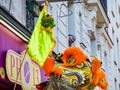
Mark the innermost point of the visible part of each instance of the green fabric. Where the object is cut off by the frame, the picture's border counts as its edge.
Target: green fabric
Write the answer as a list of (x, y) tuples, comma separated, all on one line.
[(42, 42)]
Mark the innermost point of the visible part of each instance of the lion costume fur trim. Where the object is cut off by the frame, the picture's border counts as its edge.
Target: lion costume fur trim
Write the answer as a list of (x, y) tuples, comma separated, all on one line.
[(50, 68), (74, 53), (99, 76)]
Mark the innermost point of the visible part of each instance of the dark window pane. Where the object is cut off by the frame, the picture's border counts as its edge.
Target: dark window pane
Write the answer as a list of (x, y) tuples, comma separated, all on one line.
[(104, 4), (29, 20)]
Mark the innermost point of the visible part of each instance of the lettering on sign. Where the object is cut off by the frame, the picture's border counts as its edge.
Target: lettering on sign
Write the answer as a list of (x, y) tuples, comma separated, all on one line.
[(30, 73)]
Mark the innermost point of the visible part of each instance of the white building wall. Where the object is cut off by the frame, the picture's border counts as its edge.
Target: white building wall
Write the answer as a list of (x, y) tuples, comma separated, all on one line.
[(82, 23), (61, 30), (114, 27)]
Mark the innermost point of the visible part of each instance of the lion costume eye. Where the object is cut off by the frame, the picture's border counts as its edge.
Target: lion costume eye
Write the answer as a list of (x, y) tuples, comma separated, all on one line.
[(103, 80)]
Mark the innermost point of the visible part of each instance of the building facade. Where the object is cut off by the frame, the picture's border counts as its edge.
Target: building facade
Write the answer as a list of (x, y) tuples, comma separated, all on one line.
[(95, 23)]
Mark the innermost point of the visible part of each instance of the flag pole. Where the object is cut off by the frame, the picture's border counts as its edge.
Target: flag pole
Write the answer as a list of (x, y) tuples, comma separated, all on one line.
[(23, 58)]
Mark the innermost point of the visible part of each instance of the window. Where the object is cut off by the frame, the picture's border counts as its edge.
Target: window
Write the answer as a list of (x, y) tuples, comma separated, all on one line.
[(104, 4), (99, 51), (93, 39), (115, 81), (93, 47), (29, 20), (81, 32), (119, 16), (119, 86), (32, 11), (118, 53), (80, 27), (105, 61)]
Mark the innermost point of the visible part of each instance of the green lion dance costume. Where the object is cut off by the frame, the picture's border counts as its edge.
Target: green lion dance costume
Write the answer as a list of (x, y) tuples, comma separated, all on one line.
[(72, 70)]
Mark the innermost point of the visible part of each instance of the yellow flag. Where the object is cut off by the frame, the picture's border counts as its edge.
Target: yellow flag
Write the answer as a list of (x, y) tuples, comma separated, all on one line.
[(42, 41)]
